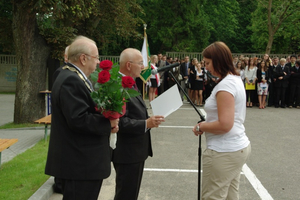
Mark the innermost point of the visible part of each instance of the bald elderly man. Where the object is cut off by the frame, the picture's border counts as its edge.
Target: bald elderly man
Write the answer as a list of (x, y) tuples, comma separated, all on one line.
[(134, 142)]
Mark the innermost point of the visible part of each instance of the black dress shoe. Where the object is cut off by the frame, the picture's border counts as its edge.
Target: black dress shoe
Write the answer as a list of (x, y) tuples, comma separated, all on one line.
[(57, 189), (276, 106), (282, 106)]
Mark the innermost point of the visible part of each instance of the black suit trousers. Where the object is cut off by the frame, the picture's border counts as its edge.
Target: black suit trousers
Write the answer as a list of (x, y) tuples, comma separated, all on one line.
[(280, 96), (81, 190), (128, 180), (271, 98), (294, 95)]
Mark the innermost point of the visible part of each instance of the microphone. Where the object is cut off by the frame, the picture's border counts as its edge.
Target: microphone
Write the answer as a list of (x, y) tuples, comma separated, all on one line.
[(155, 71)]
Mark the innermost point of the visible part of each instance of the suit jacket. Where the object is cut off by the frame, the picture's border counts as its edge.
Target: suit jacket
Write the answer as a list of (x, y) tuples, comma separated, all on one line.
[(278, 72), (295, 76), (133, 141), (175, 72), (79, 140), (259, 75), (271, 72), (184, 69), (193, 73), (289, 65)]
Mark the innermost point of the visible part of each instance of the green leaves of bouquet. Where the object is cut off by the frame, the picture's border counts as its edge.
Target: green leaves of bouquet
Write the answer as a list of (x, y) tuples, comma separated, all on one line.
[(112, 89)]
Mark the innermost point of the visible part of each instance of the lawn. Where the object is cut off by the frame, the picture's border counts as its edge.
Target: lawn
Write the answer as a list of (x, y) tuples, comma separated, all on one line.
[(24, 174), (25, 125)]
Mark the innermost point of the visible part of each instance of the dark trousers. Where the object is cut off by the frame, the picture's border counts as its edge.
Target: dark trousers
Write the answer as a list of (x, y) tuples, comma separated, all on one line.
[(280, 96), (250, 94), (271, 98), (57, 186), (128, 180), (294, 95), (81, 190)]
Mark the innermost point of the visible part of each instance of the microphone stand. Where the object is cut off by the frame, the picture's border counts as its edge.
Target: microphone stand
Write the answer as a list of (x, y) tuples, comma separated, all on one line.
[(202, 118)]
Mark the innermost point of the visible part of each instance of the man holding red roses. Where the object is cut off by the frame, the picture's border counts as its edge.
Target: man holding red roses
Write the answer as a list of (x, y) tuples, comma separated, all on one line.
[(134, 143), (79, 152)]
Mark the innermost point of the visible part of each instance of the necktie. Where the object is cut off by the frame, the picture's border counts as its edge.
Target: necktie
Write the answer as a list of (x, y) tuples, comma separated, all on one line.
[(186, 69), (135, 87)]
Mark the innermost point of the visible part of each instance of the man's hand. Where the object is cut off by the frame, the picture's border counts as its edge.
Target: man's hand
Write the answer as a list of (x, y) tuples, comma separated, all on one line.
[(115, 129), (155, 121), (114, 123)]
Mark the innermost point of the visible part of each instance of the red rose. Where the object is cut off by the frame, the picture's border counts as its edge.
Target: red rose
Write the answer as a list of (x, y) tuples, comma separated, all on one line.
[(106, 64), (103, 76), (127, 82)]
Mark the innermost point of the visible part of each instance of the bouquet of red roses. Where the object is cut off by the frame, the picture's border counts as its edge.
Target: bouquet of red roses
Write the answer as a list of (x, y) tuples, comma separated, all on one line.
[(112, 90)]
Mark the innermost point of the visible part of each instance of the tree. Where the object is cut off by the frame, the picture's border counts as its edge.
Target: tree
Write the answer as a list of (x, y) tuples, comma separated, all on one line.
[(31, 53), (242, 42), (41, 27), (269, 19), (223, 20), (6, 38), (177, 25)]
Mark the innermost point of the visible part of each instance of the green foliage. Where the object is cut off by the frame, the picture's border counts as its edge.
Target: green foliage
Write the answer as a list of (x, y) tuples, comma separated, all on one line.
[(6, 39), (223, 20), (259, 27), (111, 95), (175, 25), (23, 175), (242, 42), (284, 21)]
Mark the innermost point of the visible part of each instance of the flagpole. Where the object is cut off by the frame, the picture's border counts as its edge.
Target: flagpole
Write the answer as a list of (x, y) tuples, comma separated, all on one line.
[(145, 35), (146, 72)]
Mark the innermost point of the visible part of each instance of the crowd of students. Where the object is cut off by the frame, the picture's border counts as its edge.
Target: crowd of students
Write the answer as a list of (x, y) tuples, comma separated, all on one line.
[(268, 81)]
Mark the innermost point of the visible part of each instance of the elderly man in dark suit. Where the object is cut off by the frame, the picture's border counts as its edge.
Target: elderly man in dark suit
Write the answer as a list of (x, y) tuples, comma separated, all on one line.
[(281, 80), (79, 153), (133, 139)]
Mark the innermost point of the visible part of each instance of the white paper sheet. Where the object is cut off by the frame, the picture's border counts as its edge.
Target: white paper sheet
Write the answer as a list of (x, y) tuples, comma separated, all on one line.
[(167, 102)]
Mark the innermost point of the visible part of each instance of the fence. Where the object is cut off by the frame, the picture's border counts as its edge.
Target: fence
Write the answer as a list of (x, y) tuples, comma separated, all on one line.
[(198, 55), (8, 65), (8, 60), (8, 73)]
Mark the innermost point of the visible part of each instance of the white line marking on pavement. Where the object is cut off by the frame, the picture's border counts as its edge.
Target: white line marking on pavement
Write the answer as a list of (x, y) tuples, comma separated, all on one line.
[(176, 127), (170, 170), (256, 184), (173, 170)]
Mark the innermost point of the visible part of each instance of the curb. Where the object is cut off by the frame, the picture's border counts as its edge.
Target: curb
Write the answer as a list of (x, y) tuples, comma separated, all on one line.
[(45, 191)]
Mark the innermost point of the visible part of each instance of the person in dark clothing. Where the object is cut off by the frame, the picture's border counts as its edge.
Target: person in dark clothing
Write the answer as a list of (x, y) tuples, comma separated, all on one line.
[(295, 86), (281, 78)]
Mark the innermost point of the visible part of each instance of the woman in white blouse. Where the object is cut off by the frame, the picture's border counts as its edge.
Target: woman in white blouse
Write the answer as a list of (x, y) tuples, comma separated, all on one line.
[(228, 147)]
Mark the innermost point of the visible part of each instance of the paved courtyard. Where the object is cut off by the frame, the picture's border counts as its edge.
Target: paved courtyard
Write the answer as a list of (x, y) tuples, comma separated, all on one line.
[(271, 173)]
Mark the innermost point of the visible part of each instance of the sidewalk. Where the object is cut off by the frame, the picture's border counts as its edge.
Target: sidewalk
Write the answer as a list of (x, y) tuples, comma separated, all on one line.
[(27, 138)]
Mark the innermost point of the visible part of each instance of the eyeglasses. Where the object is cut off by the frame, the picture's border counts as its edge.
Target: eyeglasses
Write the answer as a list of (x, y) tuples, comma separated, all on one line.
[(97, 57), (139, 63)]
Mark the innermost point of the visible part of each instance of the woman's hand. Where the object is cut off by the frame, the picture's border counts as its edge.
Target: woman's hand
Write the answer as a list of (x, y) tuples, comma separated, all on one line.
[(197, 131)]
